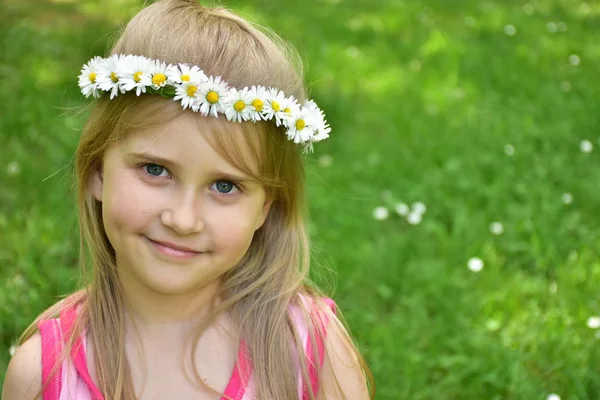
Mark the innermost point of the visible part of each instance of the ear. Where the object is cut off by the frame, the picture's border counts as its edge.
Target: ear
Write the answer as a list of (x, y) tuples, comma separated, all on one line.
[(265, 211), (96, 183)]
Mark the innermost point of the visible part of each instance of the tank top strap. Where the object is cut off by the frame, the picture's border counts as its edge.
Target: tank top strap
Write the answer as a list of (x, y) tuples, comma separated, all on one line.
[(52, 347)]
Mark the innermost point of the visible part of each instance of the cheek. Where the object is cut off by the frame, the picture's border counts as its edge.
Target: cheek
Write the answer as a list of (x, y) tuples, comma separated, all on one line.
[(234, 228)]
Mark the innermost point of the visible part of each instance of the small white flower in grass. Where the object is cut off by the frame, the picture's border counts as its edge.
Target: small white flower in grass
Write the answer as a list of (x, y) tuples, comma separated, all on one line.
[(87, 79), (237, 105), (188, 93), (553, 287), (492, 325), (380, 213), (108, 76), (183, 73), (509, 150), (586, 146), (567, 198), (510, 30), (325, 160), (13, 168), (552, 27), (475, 264), (553, 396), (258, 96), (12, 350), (593, 322), (528, 9), (158, 74), (419, 208), (402, 209), (212, 95), (574, 59), (414, 218), (562, 26), (135, 73), (496, 228)]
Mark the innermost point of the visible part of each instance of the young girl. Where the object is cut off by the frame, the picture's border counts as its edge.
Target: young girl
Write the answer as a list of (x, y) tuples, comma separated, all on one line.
[(191, 203)]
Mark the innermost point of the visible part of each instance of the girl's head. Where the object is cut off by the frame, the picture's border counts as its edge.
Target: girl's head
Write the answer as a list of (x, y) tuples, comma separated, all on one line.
[(239, 224)]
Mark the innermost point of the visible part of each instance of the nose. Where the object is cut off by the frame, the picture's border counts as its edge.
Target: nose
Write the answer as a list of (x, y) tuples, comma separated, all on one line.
[(183, 215)]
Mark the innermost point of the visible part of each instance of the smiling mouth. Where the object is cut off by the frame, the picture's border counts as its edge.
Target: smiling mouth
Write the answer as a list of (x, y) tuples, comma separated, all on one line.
[(172, 252)]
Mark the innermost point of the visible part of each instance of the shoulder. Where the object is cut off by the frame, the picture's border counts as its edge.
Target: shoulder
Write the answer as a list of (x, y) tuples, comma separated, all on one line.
[(342, 374), (23, 379)]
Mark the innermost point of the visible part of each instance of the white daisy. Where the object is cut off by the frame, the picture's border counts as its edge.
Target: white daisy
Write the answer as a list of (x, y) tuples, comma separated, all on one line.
[(135, 73), (158, 74), (237, 104), (184, 73), (278, 106), (323, 127), (302, 124), (258, 98), (88, 81), (189, 94), (108, 78), (212, 94)]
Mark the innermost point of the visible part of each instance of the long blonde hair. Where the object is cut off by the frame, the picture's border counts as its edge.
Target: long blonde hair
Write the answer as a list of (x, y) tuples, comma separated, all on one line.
[(259, 290)]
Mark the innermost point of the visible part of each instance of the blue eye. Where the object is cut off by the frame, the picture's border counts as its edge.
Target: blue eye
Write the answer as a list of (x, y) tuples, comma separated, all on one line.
[(154, 169), (225, 187)]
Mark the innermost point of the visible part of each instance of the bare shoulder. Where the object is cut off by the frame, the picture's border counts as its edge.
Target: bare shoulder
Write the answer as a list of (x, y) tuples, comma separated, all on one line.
[(23, 380), (342, 373)]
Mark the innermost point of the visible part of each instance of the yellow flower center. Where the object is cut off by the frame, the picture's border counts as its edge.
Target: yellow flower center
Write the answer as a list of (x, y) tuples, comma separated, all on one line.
[(113, 77), (239, 106), (159, 79), (92, 77), (257, 104), (287, 110), (185, 78), (300, 124), (137, 76), (191, 90), (212, 97), (275, 106)]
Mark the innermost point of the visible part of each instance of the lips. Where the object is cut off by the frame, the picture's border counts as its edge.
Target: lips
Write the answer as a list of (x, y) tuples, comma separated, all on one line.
[(175, 246)]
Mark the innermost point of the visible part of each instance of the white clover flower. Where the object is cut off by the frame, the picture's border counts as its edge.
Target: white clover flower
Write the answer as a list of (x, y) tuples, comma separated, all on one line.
[(13, 168), (510, 30), (567, 198), (509, 150), (586, 146), (380, 213), (552, 287), (237, 105), (593, 322), (87, 79), (414, 218), (212, 95), (553, 396), (419, 208), (496, 228), (402, 209), (158, 74), (182, 73), (302, 124), (258, 98), (135, 73), (475, 264), (188, 93), (108, 76)]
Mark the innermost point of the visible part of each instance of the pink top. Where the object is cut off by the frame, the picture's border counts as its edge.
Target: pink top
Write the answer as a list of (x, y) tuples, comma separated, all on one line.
[(73, 381)]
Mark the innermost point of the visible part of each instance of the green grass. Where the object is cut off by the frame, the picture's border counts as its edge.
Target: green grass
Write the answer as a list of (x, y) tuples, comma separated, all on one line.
[(423, 97)]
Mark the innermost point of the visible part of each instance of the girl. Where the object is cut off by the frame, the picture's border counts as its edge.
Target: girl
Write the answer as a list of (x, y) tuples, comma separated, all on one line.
[(191, 203)]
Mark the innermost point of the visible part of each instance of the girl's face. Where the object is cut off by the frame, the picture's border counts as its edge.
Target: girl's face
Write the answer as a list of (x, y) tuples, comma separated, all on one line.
[(177, 214)]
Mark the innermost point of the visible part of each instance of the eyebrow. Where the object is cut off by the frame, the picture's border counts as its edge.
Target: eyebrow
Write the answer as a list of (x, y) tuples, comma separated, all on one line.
[(171, 164)]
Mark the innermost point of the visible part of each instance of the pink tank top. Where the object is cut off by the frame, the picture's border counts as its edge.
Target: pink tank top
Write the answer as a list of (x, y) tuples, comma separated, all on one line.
[(73, 381)]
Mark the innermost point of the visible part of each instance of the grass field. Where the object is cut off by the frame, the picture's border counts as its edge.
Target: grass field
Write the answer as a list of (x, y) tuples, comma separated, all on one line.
[(484, 111)]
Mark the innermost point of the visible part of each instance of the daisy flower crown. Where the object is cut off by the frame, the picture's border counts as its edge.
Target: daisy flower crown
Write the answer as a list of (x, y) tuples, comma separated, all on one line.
[(305, 123)]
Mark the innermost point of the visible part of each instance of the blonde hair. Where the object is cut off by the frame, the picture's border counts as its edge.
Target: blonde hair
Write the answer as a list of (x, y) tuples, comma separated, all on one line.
[(259, 290)]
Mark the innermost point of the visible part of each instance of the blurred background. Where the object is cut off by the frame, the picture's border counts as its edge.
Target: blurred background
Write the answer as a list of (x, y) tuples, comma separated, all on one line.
[(454, 209)]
